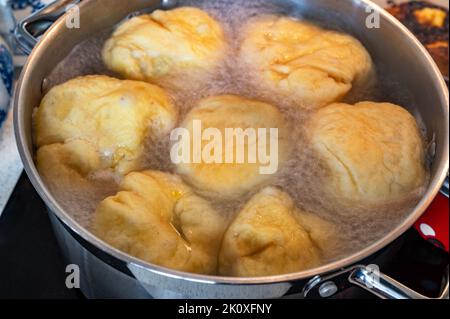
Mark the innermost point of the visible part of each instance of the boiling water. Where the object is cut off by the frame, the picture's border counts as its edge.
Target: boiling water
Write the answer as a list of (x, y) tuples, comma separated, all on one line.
[(302, 177)]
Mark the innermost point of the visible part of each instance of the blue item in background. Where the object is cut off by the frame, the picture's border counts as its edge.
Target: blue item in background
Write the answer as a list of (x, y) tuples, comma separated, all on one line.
[(6, 79), (6, 68), (22, 4), (7, 23)]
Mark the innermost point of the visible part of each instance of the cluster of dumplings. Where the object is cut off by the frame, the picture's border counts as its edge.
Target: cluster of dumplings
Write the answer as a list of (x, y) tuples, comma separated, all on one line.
[(373, 151)]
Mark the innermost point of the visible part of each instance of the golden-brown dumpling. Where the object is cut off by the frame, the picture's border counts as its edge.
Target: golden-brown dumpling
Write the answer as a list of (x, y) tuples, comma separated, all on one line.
[(222, 179), (157, 218), (68, 164), (374, 151), (270, 236), (149, 47), (112, 118), (306, 63)]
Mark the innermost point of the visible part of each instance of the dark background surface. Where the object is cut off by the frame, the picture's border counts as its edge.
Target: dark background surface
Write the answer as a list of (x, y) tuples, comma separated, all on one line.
[(31, 265)]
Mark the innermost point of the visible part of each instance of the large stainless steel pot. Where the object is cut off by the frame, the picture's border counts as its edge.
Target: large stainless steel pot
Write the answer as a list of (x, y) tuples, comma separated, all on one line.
[(107, 272)]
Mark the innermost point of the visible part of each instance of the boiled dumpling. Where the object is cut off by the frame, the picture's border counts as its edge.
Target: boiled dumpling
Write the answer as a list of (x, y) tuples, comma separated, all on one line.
[(270, 236), (222, 179), (307, 64), (110, 118), (374, 151), (68, 163), (165, 43), (157, 218)]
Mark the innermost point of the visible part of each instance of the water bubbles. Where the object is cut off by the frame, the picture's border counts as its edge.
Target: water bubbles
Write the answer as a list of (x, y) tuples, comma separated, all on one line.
[(302, 177)]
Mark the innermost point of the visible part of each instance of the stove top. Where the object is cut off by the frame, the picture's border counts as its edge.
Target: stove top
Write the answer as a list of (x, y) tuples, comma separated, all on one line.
[(32, 267)]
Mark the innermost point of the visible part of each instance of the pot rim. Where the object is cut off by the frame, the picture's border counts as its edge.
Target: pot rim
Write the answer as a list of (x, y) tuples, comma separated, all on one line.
[(69, 221)]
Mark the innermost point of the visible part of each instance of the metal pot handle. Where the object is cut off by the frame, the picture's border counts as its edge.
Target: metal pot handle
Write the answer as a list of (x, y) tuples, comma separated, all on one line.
[(29, 30), (370, 279), (385, 287)]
